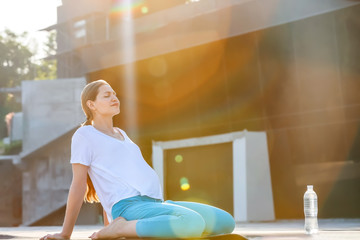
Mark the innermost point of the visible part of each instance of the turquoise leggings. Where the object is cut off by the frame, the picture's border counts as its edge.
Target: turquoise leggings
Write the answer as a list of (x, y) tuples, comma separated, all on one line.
[(170, 219)]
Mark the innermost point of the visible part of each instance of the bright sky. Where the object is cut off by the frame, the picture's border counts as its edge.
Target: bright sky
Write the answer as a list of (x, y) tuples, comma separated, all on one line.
[(28, 15)]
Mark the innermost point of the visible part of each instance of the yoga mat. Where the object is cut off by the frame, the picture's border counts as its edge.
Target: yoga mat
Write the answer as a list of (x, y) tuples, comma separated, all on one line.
[(231, 236)]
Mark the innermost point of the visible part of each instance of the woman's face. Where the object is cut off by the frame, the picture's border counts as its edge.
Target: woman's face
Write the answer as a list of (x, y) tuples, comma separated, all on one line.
[(106, 102)]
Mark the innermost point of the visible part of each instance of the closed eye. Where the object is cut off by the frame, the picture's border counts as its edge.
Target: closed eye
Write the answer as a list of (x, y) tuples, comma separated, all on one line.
[(108, 94)]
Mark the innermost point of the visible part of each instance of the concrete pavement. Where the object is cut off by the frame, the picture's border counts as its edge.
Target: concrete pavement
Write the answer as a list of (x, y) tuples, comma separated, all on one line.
[(339, 229)]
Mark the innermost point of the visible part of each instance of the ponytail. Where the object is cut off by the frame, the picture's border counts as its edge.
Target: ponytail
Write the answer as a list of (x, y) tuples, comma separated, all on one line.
[(90, 195), (90, 92), (87, 122)]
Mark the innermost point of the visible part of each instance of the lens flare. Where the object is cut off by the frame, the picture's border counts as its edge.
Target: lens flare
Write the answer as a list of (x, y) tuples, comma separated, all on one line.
[(184, 184), (144, 10), (120, 6), (179, 158)]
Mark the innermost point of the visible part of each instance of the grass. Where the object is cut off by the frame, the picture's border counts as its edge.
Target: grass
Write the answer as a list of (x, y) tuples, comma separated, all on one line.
[(12, 148), (2, 147)]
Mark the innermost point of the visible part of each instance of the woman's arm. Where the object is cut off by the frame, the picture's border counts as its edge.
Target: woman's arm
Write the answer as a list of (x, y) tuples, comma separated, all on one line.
[(106, 222), (75, 198), (74, 202)]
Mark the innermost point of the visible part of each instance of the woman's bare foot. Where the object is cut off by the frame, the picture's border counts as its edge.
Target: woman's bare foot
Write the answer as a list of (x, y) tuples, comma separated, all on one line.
[(94, 236), (118, 228)]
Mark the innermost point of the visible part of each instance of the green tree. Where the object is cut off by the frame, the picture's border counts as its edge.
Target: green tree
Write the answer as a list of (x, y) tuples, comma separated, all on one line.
[(46, 69), (16, 64), (15, 59)]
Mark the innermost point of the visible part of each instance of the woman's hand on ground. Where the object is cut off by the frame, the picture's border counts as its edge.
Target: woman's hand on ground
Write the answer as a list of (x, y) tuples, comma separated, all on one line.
[(54, 236)]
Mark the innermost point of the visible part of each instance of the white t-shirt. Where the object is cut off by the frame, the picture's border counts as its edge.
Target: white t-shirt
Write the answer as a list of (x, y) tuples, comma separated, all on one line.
[(116, 168)]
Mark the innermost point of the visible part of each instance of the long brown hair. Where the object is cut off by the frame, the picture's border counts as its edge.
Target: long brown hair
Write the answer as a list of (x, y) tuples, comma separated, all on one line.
[(90, 92)]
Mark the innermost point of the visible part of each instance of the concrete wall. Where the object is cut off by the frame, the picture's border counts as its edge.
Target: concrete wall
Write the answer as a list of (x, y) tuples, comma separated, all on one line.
[(50, 109), (16, 131), (176, 28), (10, 197), (46, 182), (70, 10)]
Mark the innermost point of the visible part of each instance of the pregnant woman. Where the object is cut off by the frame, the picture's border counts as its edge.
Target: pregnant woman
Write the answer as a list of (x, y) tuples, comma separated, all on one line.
[(109, 168)]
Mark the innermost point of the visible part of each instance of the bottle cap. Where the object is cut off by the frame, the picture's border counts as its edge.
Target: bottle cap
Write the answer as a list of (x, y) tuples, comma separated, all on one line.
[(310, 187)]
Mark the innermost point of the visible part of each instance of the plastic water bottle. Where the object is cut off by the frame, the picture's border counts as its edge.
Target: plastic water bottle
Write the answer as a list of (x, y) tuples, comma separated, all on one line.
[(311, 211)]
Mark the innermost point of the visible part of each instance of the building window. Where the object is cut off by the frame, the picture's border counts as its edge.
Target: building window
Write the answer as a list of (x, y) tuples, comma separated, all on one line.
[(80, 32)]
